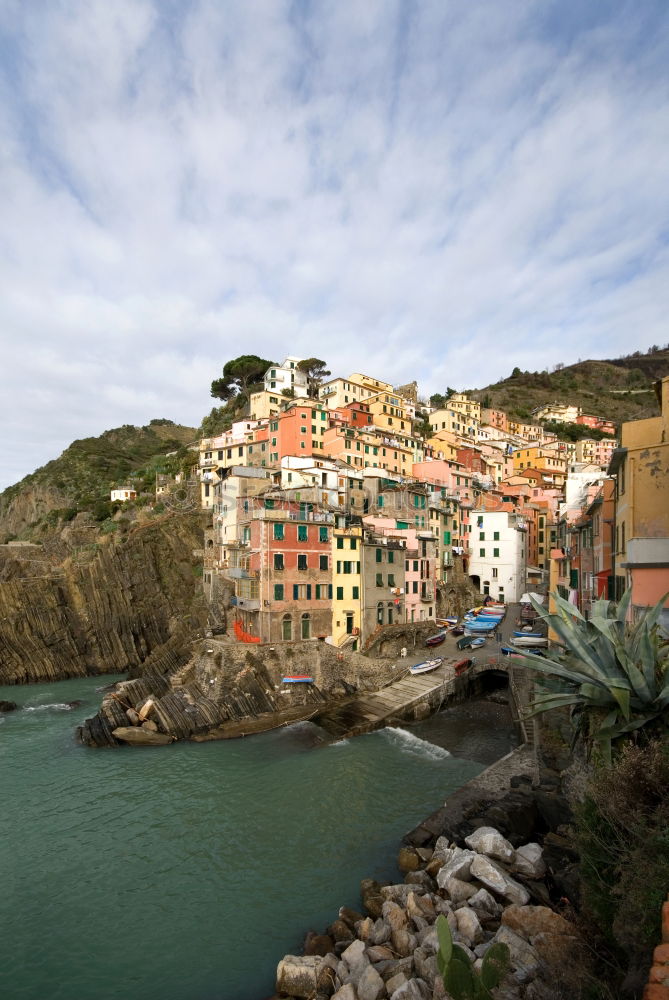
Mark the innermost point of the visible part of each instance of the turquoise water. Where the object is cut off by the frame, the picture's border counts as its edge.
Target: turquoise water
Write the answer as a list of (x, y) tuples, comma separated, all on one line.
[(187, 872)]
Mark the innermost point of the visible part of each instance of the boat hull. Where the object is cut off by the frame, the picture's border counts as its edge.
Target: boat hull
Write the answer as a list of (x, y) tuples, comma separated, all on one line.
[(426, 666)]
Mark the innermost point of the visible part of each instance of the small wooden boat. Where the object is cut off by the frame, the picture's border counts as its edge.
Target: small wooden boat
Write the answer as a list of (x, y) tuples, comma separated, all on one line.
[(528, 635), (458, 630), (525, 641), (426, 666), (466, 641), (297, 679), (461, 666), (447, 621), (435, 640), (142, 737), (477, 642)]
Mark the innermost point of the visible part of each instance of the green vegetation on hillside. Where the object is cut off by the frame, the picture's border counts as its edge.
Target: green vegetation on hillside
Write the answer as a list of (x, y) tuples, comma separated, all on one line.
[(618, 390), (83, 476)]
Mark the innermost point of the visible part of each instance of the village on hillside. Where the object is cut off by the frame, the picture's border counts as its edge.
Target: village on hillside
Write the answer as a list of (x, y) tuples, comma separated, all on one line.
[(341, 506)]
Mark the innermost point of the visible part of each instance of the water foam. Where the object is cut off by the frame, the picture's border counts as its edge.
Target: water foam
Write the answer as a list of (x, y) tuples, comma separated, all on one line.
[(409, 743), (57, 706)]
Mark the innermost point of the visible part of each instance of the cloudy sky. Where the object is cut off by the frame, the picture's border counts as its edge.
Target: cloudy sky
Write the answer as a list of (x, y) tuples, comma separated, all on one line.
[(436, 190)]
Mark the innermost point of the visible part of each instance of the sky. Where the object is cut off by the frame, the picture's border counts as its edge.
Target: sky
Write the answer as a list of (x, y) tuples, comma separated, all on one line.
[(438, 190)]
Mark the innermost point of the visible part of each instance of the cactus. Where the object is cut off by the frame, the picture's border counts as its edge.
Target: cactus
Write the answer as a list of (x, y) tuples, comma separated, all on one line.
[(459, 976)]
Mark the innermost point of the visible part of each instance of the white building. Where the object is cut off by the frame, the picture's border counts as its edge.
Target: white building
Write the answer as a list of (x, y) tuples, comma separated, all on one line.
[(498, 544), (125, 493), (287, 377)]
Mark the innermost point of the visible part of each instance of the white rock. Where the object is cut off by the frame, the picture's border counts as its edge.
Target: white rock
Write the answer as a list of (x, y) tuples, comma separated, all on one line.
[(413, 989), (458, 890), (296, 975), (442, 849), (355, 959), (492, 877), (400, 893), (524, 959), (429, 940), (394, 983), (381, 932), (529, 861), (469, 926), (370, 986), (345, 993), (458, 867), (484, 903), (426, 965), (487, 840), (394, 915)]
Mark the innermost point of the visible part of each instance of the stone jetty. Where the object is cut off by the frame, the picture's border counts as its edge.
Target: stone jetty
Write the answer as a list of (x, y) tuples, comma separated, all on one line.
[(492, 884)]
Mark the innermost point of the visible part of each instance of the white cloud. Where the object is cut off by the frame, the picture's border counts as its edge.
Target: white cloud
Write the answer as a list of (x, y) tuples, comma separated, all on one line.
[(436, 191)]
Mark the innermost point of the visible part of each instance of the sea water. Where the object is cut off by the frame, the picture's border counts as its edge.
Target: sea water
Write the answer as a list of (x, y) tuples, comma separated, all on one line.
[(186, 872)]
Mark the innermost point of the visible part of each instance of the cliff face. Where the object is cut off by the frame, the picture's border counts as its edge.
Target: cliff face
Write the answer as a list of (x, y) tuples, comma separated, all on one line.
[(127, 601)]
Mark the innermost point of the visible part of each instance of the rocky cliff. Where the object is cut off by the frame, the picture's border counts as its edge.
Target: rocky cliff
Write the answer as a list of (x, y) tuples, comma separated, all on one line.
[(126, 600)]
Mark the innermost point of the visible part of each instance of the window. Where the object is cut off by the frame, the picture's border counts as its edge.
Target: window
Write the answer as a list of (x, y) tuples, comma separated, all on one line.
[(495, 536), (494, 572), (495, 553), (391, 556), (415, 565), (286, 628), (379, 613), (306, 625), (356, 593), (302, 533), (415, 586), (391, 579), (302, 561), (340, 593), (379, 579), (322, 534), (379, 555), (278, 532), (296, 591), (481, 536), (482, 553), (278, 591), (340, 543), (278, 560), (354, 543), (323, 562)]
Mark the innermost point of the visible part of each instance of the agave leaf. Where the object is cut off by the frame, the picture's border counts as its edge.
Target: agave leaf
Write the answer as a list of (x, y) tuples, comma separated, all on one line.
[(652, 617), (459, 979), (613, 732), (582, 675), (623, 605)]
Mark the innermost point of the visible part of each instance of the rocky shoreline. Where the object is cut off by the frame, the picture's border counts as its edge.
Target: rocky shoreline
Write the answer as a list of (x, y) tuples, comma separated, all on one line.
[(497, 862)]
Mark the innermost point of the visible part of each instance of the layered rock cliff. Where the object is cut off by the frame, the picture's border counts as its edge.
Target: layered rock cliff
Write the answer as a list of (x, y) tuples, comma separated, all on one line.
[(124, 601)]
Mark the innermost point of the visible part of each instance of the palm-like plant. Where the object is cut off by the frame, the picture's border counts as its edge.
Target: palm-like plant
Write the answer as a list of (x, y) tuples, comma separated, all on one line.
[(613, 676)]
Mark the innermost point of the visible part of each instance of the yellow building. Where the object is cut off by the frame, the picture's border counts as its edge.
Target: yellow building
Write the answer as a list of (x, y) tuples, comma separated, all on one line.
[(453, 422), (641, 468), (346, 564), (551, 461), (469, 408), (263, 405), (369, 449), (357, 388), (562, 413)]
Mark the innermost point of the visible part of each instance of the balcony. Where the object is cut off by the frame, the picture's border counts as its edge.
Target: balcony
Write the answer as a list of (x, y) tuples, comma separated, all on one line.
[(427, 595), (241, 573), (292, 515), (245, 603)]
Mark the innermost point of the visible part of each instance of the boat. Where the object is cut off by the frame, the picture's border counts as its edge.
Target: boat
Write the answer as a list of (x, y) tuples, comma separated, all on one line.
[(297, 679), (461, 666), (524, 641), (446, 622), (426, 666), (458, 630), (477, 642), (435, 640), (466, 641), (528, 635)]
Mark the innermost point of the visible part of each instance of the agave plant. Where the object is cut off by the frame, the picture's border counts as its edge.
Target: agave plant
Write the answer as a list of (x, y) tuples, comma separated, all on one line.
[(613, 676)]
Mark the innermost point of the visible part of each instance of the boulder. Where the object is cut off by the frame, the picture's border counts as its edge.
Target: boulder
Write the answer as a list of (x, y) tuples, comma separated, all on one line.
[(150, 726), (356, 959), (485, 905), (400, 893), (403, 942), (420, 907), (492, 877), (458, 890), (524, 958), (413, 989), (389, 969), (529, 861), (372, 900), (349, 916), (370, 986), (459, 866), (7, 706), (489, 841), (345, 993), (442, 849), (528, 921), (429, 940), (395, 982), (426, 965), (339, 931), (468, 926), (381, 933), (408, 860), (394, 915), (132, 716), (318, 944), (296, 975), (422, 879), (365, 929), (379, 953)]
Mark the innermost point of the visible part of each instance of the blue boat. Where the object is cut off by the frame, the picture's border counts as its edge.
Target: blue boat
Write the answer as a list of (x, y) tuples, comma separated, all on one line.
[(297, 679)]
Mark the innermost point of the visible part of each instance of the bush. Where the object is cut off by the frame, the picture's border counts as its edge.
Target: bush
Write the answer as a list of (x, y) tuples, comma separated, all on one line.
[(622, 831)]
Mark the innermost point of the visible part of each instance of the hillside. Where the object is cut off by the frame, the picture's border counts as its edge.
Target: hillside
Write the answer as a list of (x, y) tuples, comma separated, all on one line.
[(618, 389), (81, 478)]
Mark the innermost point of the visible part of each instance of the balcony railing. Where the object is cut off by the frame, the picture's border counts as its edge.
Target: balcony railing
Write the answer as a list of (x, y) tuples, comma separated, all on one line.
[(427, 595), (312, 517)]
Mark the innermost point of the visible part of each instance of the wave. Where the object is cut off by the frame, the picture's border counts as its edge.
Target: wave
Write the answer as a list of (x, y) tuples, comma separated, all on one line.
[(409, 743), (57, 706)]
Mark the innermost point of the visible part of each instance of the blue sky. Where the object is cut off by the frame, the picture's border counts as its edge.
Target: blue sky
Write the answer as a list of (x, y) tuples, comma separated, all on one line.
[(436, 190)]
